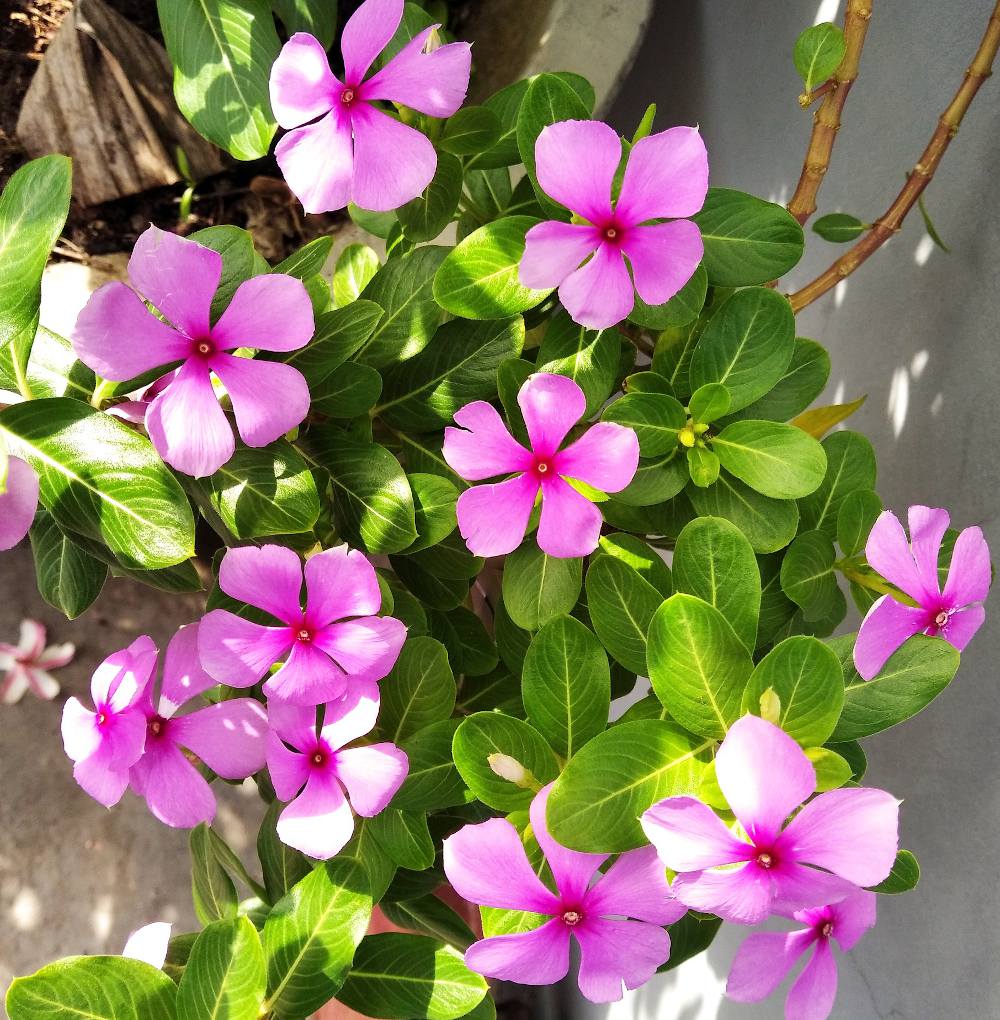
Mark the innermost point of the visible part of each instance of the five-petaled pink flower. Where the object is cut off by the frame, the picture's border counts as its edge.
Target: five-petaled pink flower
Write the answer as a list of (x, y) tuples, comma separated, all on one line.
[(666, 177), (765, 958), (119, 338), (852, 834), (487, 864), (319, 820), (18, 500), (334, 642), (27, 664), (356, 152), (954, 612), (494, 518)]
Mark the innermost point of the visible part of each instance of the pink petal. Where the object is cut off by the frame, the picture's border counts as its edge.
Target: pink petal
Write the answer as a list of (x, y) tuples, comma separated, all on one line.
[(536, 957), (80, 733), (493, 518), (178, 276), (317, 162), (486, 864), (888, 551), (575, 162), (124, 675), (553, 250), (42, 685), (797, 887), (340, 583), (962, 626), (149, 944), (482, 447), (813, 992), (393, 162), (228, 737), (636, 886), (14, 684), (187, 426), (288, 769), (853, 917), (663, 258), (319, 821), (551, 405), (570, 524), (612, 952), (599, 294), (689, 835), (571, 870), (269, 398), (372, 775), (434, 83), (31, 633), (366, 647), (172, 787), (269, 577), (886, 625), (106, 785), (853, 833), (183, 675), (351, 717), (302, 85), (366, 34), (666, 176), (763, 961), (119, 338), (742, 896), (237, 652), (56, 656), (764, 775), (969, 575), (308, 677), (18, 502), (927, 527), (271, 312), (606, 456)]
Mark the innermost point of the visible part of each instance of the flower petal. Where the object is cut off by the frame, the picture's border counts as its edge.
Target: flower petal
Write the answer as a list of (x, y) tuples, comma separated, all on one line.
[(553, 250), (31, 633), (636, 886), (666, 176), (351, 717), (372, 775), (319, 821), (80, 733), (927, 527), (853, 917), (813, 992), (599, 294), (366, 34), (175, 791), (124, 675), (269, 577), (340, 583), (888, 551), (288, 769), (797, 887), (741, 896), (271, 312), (56, 656), (482, 447), (536, 957), (571, 869), (606, 456), (18, 502), (612, 952), (551, 405), (663, 258), (962, 626), (41, 683), (105, 784), (970, 574), (237, 652), (228, 737), (886, 625), (302, 86), (575, 161), (689, 835), (149, 944), (184, 677), (570, 524), (763, 961), (317, 162), (308, 677), (493, 518), (366, 647), (393, 162)]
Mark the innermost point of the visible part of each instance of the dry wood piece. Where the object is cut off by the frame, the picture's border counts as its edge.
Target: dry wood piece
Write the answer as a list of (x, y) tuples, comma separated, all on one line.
[(102, 95)]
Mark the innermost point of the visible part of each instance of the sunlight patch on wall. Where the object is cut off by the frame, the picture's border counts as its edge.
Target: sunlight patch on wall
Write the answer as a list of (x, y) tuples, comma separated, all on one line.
[(899, 400), (923, 250), (26, 910)]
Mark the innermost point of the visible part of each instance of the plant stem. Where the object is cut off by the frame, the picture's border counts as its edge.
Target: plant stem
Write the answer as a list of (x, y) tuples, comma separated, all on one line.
[(826, 120)]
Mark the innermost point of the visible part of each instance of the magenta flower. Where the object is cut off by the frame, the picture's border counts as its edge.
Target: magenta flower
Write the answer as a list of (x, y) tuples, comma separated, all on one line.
[(487, 864), (666, 178), (332, 643), (765, 958), (27, 664), (954, 612), (18, 501), (852, 834), (119, 338), (312, 770), (494, 518), (355, 152)]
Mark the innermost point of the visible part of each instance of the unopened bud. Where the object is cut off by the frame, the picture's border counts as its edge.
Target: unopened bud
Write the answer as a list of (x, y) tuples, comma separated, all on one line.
[(686, 436), (512, 770), (770, 706)]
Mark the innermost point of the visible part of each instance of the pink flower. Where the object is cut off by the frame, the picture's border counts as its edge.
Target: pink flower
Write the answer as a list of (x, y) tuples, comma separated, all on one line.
[(954, 612), (666, 177), (487, 864), (494, 518), (312, 769), (355, 152), (765, 776), (764, 959), (18, 500), (27, 664), (332, 643), (119, 338)]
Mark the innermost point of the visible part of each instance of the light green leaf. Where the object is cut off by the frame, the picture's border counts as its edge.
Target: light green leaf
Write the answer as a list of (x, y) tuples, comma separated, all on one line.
[(708, 402), (538, 587), (224, 977), (434, 500), (801, 383), (776, 459), (621, 603), (703, 466), (212, 889), (420, 689), (655, 417), (809, 579), (642, 558), (850, 467), (356, 265), (769, 524), (818, 53), (52, 369)]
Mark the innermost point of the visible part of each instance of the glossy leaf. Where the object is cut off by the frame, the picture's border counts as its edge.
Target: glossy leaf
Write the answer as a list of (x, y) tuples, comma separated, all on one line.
[(655, 417), (224, 978), (850, 467), (808, 576), (428, 214), (802, 382), (404, 836), (68, 577), (471, 130), (538, 587), (433, 781), (777, 460), (769, 524), (355, 267), (857, 515), (212, 889), (420, 689), (621, 604), (839, 228), (588, 357), (818, 53), (905, 875), (339, 334)]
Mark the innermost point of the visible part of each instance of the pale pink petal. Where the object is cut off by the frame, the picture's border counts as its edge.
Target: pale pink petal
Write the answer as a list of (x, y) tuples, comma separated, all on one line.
[(31, 633), (308, 677), (119, 338), (886, 625), (393, 162), (237, 652), (689, 835), (970, 574), (854, 833), (606, 456), (317, 162), (486, 864), (570, 524), (287, 769), (41, 683), (319, 821), (551, 405), (372, 775), (536, 957), (962, 626), (271, 312), (888, 551), (149, 944), (81, 735), (575, 162), (366, 34), (741, 896), (269, 577), (571, 869), (493, 518), (813, 992), (636, 886), (56, 656), (599, 294), (124, 675), (666, 177), (763, 961), (340, 583), (352, 716), (228, 737), (17, 502), (482, 447), (14, 684), (269, 398), (367, 647), (796, 887), (132, 411), (853, 917), (105, 784), (927, 527), (763, 774), (184, 677), (174, 790), (434, 83), (612, 952), (553, 250), (663, 258), (302, 85)]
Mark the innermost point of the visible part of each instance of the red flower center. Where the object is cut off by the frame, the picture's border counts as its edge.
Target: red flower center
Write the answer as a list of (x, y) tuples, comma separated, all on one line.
[(572, 918), (101, 718), (318, 759), (304, 634), (204, 347), (157, 725), (942, 618), (348, 96), (827, 930), (766, 860), (542, 466)]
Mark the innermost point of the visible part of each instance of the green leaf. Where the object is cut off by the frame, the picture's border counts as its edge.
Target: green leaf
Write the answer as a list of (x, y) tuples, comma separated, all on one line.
[(840, 228), (280, 865), (747, 345), (404, 836), (308, 260), (222, 55), (703, 466), (433, 781), (317, 17), (596, 803), (471, 130), (356, 265), (932, 232), (100, 478), (832, 770), (224, 976), (642, 558), (311, 935), (622, 604), (801, 383), (399, 976), (769, 524), (239, 263), (681, 309), (349, 391), (818, 53), (808, 576), (776, 609), (689, 936), (490, 193), (427, 915), (479, 278), (212, 889), (655, 417), (698, 666), (566, 685), (850, 467), (708, 402), (339, 334), (538, 587), (588, 357), (365, 851), (904, 876), (68, 577), (470, 649), (424, 217), (776, 459), (434, 500), (420, 689), (855, 519), (93, 988), (747, 240), (52, 369)]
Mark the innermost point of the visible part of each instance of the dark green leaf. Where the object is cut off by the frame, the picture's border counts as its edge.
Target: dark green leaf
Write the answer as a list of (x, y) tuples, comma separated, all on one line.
[(588, 357), (424, 217), (769, 524), (904, 876), (471, 130), (818, 53), (68, 577), (840, 228), (420, 690), (621, 604), (433, 781), (212, 889), (537, 587), (317, 17), (850, 467), (808, 576)]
